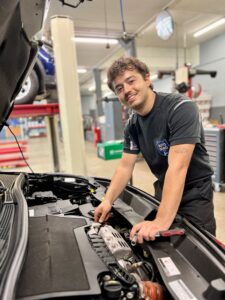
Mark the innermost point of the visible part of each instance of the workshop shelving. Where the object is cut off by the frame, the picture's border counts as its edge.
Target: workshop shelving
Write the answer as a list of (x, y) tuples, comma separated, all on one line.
[(215, 145), (23, 126)]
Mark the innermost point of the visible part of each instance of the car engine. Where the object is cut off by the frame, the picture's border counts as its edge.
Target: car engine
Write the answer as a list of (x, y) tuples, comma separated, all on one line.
[(126, 269), (105, 265)]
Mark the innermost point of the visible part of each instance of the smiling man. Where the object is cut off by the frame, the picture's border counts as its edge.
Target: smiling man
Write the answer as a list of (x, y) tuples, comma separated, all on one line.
[(167, 130)]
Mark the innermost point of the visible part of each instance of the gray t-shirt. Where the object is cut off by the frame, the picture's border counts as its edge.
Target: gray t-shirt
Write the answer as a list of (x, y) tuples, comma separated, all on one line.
[(173, 120)]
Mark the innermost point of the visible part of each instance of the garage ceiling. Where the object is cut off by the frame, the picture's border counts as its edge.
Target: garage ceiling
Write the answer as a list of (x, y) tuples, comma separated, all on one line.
[(101, 18)]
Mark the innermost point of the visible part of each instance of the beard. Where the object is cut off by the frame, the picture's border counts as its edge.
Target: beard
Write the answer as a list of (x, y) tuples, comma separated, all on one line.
[(139, 103)]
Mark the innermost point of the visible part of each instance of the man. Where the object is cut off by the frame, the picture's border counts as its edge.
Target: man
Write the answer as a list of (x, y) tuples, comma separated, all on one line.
[(166, 128)]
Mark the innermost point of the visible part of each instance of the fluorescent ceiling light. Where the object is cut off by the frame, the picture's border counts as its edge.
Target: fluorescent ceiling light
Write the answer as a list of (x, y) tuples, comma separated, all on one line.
[(209, 27), (95, 40), (81, 71)]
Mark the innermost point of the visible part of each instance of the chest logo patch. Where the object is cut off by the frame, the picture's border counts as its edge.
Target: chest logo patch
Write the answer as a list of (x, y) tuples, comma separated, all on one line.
[(162, 147)]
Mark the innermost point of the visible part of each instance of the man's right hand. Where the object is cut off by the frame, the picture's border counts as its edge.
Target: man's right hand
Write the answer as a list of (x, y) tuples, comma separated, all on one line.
[(102, 211)]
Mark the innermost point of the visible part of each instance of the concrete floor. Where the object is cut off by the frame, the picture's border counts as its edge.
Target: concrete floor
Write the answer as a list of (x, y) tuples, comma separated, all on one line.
[(39, 157)]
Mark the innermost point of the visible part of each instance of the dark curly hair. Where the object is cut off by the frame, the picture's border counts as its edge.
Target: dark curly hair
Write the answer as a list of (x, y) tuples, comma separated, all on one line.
[(123, 64)]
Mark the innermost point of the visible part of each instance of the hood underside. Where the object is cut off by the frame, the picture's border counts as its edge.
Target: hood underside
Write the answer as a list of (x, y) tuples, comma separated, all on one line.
[(17, 50)]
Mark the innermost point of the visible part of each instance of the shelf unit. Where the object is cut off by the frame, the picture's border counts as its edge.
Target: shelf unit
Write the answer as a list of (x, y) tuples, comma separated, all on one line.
[(215, 145), (10, 154)]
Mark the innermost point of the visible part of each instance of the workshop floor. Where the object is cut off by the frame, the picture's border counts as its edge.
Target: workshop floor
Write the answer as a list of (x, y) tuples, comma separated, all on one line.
[(39, 158)]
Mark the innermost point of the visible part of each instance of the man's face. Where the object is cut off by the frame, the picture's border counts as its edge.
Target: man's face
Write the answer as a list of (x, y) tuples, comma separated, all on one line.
[(132, 89)]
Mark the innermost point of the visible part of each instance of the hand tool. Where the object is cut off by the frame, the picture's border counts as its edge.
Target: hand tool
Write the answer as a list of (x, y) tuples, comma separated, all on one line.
[(170, 232), (163, 233)]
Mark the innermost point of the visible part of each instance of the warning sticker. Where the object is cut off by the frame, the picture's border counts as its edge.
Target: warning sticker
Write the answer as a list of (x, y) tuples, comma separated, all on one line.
[(168, 266), (181, 290)]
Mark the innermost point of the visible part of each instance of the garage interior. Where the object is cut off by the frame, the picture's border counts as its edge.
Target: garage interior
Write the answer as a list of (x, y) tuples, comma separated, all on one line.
[(101, 118)]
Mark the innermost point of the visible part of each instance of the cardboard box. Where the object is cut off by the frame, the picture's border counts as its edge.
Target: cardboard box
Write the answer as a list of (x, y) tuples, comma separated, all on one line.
[(110, 150)]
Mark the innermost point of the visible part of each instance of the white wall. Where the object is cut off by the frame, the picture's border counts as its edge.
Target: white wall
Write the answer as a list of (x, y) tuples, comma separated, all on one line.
[(87, 103), (166, 58), (212, 57), (156, 59), (164, 85)]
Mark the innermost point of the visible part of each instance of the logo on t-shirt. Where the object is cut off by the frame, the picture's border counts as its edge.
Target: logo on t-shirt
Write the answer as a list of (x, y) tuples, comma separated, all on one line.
[(133, 146), (162, 147)]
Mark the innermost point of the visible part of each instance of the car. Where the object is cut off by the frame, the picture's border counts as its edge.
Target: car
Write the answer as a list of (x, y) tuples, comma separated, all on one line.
[(41, 82), (50, 246)]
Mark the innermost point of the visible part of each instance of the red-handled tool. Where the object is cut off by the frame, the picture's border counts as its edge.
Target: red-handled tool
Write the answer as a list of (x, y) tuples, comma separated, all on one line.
[(170, 232), (164, 233)]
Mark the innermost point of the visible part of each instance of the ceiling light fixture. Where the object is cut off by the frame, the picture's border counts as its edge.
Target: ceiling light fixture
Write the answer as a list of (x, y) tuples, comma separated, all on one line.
[(81, 71), (96, 40), (209, 27)]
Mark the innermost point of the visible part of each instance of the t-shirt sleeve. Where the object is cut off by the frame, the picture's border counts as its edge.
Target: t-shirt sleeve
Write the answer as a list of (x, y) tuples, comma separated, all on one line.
[(131, 144), (185, 123)]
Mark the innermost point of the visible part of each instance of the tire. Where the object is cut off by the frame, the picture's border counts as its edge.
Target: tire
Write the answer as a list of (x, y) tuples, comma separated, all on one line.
[(52, 95), (29, 90)]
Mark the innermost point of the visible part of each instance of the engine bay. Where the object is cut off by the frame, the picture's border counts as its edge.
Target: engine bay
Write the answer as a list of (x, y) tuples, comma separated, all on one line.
[(131, 276), (118, 269), (70, 255)]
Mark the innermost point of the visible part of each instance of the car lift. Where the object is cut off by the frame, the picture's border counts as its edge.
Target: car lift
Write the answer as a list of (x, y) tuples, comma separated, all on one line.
[(185, 86)]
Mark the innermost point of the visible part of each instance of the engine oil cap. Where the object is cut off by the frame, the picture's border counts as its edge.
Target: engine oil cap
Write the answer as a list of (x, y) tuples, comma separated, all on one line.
[(112, 289)]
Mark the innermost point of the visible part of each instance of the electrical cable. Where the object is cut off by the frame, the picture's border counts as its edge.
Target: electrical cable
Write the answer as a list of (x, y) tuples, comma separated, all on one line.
[(71, 5), (150, 269), (122, 18), (106, 24), (7, 125)]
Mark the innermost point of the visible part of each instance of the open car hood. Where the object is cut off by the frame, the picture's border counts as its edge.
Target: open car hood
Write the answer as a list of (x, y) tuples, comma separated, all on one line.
[(19, 22)]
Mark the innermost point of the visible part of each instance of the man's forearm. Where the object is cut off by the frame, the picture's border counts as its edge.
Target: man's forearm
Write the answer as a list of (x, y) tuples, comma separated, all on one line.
[(172, 193), (171, 196), (178, 161), (118, 183)]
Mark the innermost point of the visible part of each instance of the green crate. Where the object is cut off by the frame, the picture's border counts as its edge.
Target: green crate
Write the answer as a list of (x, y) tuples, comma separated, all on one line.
[(110, 150)]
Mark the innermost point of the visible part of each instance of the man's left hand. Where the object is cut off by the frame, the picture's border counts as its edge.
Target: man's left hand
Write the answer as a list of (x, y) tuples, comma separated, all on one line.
[(146, 231)]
